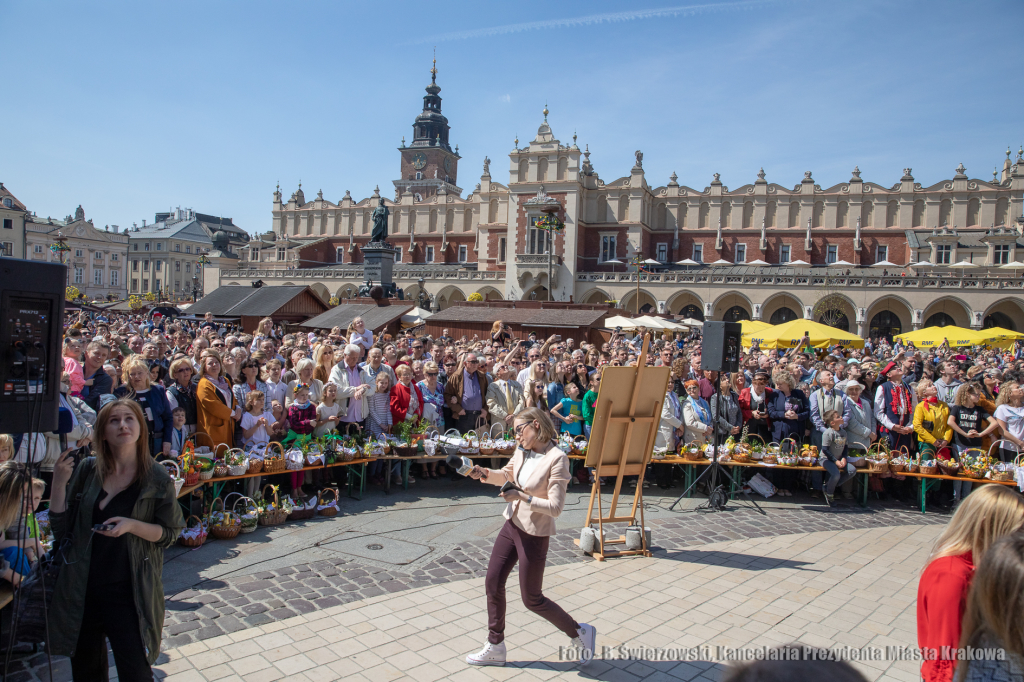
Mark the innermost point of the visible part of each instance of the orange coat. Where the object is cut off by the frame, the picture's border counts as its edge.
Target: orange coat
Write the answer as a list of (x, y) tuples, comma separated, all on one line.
[(213, 416)]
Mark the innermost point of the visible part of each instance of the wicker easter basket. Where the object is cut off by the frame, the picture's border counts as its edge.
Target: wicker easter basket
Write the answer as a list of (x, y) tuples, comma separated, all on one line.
[(303, 513), (193, 539), (248, 518), (220, 469), (226, 531), (329, 509), (273, 464), (272, 517), (206, 474), (176, 476), (237, 469), (928, 470)]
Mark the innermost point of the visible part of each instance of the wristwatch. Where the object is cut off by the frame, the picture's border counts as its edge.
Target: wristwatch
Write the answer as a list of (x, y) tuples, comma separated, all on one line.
[(529, 499)]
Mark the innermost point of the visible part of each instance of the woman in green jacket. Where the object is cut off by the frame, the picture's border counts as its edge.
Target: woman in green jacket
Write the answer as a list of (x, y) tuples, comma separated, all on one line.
[(111, 585)]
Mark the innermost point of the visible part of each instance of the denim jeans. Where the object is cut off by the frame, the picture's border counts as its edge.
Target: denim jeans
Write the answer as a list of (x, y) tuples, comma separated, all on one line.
[(834, 477)]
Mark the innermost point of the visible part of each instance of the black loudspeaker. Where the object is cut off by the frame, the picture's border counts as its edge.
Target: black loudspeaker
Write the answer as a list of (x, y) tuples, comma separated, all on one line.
[(31, 326), (720, 346)]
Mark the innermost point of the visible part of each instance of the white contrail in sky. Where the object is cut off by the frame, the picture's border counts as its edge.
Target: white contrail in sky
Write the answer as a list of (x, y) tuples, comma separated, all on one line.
[(590, 20)]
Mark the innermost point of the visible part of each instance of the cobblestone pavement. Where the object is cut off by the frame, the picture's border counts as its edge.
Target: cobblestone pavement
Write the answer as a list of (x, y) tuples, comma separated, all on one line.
[(250, 598), (851, 588)]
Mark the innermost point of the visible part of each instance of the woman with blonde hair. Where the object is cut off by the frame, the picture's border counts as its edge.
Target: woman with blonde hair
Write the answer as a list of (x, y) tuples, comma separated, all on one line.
[(123, 516), (264, 331), (539, 474), (217, 410), (984, 516), (536, 395), (359, 335), (152, 398), (15, 480), (323, 362), (992, 618), (930, 420)]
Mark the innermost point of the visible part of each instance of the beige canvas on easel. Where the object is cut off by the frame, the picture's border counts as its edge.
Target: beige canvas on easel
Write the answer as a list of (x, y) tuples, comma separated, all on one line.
[(626, 418)]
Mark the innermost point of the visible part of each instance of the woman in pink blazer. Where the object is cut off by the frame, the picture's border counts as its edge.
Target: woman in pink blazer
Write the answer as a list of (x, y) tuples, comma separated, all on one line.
[(540, 472), (403, 393)]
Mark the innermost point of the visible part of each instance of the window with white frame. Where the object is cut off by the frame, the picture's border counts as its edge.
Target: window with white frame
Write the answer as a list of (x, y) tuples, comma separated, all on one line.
[(135, 285), (135, 246), (177, 247), (38, 248), (159, 246), (188, 248), (188, 267), (114, 277), (254, 255), (79, 253), (943, 254), (463, 253), (146, 247), (832, 254), (97, 277), (145, 266), (159, 265), (538, 241), (156, 285), (1001, 254), (113, 257), (339, 254), (881, 253), (280, 253), (177, 285), (398, 254), (97, 255), (698, 253), (135, 266), (79, 275), (177, 266), (502, 243), (784, 252), (608, 249), (8, 249), (741, 253), (430, 254), (661, 253)]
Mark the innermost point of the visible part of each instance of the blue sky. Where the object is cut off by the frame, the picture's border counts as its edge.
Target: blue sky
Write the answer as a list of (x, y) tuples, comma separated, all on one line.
[(129, 108)]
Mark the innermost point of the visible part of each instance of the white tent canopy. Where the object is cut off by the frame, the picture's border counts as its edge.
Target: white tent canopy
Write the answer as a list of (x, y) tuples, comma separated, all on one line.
[(414, 317)]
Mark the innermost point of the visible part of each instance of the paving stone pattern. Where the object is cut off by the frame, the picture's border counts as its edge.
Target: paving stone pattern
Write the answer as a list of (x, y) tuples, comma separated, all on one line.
[(217, 608)]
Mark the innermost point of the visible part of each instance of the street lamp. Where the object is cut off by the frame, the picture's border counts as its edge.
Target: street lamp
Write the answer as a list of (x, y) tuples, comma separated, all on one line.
[(59, 248), (200, 264)]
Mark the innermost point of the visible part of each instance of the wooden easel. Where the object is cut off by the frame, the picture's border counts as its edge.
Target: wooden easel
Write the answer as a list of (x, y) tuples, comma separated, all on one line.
[(626, 419)]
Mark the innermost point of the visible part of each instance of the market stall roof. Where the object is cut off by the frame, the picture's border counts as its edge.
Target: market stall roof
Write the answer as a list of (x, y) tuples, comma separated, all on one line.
[(526, 317), (236, 301), (415, 317), (375, 317)]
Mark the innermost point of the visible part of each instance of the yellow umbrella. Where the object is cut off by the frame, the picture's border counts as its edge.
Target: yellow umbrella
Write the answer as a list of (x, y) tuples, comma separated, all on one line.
[(932, 337), (790, 334), (753, 329)]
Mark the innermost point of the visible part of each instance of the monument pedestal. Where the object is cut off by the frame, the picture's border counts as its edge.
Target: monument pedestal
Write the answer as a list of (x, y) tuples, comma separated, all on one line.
[(378, 266)]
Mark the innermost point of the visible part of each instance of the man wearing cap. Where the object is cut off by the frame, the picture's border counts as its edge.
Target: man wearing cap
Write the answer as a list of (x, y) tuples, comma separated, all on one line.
[(894, 408)]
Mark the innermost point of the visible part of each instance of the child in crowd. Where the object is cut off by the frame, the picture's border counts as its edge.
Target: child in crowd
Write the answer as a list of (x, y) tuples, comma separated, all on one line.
[(276, 387), (257, 423), (302, 422), (572, 407), (73, 365), (6, 447), (178, 431), (20, 544), (833, 454), (327, 412), (378, 420)]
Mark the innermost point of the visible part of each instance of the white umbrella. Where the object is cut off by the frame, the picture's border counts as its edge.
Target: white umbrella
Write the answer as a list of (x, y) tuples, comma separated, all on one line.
[(650, 322), (883, 264), (612, 261), (963, 265), (721, 262), (690, 322), (757, 262), (797, 264), (1013, 265), (920, 264), (619, 321), (651, 261), (839, 264), (687, 261)]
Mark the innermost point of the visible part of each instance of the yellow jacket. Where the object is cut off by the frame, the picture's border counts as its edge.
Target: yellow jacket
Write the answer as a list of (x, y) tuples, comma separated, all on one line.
[(938, 415)]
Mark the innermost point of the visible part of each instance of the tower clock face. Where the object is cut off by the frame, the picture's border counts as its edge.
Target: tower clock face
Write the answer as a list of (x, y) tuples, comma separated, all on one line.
[(447, 165), (419, 160)]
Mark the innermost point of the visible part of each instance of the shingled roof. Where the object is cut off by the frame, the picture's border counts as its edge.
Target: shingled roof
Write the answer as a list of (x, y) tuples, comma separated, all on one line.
[(530, 317), (235, 301), (374, 317)]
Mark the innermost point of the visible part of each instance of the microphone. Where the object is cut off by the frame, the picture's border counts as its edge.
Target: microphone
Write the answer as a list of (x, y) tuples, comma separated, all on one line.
[(462, 465)]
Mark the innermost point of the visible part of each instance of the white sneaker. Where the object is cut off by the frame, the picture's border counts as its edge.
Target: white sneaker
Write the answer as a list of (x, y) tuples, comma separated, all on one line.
[(491, 654), (585, 642)]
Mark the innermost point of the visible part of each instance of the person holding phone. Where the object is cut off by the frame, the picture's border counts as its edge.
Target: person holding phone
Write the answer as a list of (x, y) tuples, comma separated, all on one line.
[(533, 484), (123, 515)]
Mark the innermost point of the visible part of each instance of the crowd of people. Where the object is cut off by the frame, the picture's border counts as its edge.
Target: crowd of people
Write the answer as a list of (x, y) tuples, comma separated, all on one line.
[(138, 388)]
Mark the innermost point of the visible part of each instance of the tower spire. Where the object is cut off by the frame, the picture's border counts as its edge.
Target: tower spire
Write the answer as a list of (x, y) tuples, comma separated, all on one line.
[(433, 69)]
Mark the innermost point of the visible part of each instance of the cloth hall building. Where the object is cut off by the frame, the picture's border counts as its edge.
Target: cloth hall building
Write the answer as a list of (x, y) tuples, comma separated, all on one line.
[(761, 250)]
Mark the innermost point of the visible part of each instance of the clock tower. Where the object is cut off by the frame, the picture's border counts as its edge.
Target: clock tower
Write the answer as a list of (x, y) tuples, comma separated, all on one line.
[(429, 162)]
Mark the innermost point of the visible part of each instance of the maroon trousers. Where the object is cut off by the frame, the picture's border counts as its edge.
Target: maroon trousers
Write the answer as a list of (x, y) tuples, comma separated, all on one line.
[(514, 544)]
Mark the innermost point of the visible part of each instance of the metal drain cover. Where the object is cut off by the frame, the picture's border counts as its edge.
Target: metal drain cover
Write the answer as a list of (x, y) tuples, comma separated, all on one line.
[(387, 550)]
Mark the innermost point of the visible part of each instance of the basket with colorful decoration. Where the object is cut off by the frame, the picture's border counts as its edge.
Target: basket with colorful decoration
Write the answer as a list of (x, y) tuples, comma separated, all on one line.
[(301, 509), (273, 463), (206, 468), (788, 460), (327, 502), (294, 460), (223, 524), (248, 513), (237, 462), (1004, 471), (314, 454), (928, 467), (974, 463), (193, 535), (878, 457), (899, 464), (269, 507), (175, 474)]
